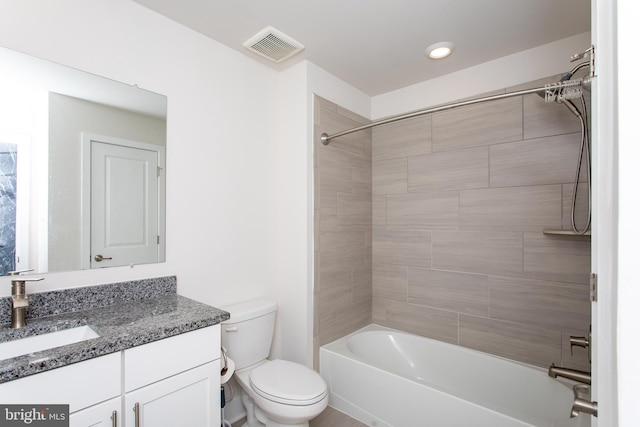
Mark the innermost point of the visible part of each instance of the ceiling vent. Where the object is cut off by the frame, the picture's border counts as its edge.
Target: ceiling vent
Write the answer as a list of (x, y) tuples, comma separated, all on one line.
[(273, 44)]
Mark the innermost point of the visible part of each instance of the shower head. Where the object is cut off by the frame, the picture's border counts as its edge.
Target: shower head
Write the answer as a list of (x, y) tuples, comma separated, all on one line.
[(563, 78), (566, 76)]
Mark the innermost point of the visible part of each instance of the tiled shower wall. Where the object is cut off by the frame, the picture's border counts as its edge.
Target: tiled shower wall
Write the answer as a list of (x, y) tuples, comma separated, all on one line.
[(455, 250), (342, 191), (460, 200)]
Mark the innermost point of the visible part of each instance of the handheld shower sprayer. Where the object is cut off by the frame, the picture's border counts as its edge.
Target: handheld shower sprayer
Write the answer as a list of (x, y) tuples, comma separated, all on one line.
[(564, 92)]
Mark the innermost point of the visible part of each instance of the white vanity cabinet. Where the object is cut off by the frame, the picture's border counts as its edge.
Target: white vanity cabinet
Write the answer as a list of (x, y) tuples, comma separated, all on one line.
[(174, 382), (171, 382)]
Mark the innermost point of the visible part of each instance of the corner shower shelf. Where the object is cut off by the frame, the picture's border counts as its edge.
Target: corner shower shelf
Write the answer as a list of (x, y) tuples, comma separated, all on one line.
[(558, 232)]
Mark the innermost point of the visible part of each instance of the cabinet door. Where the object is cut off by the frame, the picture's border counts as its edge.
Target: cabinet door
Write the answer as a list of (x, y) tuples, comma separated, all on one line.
[(106, 414), (191, 398)]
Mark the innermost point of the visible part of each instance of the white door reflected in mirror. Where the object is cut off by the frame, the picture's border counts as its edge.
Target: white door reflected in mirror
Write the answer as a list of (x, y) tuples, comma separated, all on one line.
[(124, 198)]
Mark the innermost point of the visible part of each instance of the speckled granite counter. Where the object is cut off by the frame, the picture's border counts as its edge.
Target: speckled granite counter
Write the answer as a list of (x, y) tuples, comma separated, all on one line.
[(122, 321)]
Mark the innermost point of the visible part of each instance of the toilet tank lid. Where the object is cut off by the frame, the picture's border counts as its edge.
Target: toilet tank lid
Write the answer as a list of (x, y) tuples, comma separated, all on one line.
[(249, 310)]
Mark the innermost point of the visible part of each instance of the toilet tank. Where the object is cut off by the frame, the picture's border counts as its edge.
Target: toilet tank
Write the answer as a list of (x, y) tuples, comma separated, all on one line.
[(248, 333)]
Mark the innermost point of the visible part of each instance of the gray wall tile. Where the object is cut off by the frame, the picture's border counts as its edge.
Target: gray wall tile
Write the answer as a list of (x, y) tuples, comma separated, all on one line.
[(402, 139), (524, 343), (532, 208), (343, 227), (354, 204), (378, 311), (551, 305), (357, 316), (361, 279), (450, 170), (448, 290), (425, 321), (558, 258), (497, 253), (390, 282), (390, 176), (423, 211), (402, 247), (433, 226), (335, 175), (550, 160), (476, 125), (379, 211)]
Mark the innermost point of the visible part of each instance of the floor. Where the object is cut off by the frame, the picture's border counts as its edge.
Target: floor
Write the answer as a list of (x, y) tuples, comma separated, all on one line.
[(328, 418), (334, 418)]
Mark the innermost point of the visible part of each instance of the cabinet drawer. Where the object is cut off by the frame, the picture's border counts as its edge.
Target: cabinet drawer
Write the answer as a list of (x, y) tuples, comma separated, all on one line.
[(79, 385), (161, 359)]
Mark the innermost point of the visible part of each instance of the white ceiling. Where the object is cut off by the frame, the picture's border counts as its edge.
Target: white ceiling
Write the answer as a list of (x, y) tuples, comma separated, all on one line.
[(378, 45)]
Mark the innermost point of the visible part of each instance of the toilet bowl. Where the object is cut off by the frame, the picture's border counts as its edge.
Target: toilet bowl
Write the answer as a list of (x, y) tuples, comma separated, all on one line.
[(285, 393), (275, 393)]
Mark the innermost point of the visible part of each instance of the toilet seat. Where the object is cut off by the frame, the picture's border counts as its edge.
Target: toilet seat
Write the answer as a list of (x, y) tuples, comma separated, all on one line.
[(288, 383)]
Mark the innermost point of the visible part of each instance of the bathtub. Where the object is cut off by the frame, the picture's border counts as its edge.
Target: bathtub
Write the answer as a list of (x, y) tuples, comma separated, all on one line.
[(387, 378)]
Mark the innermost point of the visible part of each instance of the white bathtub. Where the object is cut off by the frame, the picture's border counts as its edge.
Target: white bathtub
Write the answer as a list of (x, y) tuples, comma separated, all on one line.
[(384, 377)]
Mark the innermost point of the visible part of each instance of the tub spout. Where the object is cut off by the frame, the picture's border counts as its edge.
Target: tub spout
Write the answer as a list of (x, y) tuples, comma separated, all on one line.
[(572, 374)]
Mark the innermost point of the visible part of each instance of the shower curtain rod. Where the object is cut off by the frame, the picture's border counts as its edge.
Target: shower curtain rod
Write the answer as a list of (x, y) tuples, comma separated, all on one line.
[(325, 138)]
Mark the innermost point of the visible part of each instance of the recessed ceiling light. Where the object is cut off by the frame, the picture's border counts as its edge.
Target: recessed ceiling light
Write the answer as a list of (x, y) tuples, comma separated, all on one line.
[(440, 50)]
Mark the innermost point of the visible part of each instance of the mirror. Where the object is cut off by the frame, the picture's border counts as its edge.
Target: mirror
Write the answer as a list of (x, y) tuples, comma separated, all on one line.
[(82, 169)]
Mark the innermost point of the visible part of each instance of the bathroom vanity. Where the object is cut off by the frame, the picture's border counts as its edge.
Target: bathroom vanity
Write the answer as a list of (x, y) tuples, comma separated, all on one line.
[(155, 361)]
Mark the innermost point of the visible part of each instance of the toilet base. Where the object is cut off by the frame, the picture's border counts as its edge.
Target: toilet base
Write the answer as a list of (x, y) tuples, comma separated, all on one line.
[(257, 418)]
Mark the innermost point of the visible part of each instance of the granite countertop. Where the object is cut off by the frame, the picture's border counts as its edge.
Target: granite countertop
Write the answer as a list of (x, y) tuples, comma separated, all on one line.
[(120, 325)]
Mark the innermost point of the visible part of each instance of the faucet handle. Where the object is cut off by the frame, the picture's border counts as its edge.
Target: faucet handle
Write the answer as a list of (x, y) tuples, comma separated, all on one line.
[(17, 272), (584, 342), (578, 342)]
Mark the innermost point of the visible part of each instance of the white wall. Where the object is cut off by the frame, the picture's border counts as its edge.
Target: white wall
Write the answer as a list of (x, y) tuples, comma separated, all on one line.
[(221, 170), (297, 86), (628, 95)]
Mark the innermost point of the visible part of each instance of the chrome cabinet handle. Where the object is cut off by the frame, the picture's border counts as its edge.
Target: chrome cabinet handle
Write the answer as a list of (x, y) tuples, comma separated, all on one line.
[(99, 258), (136, 409), (114, 419)]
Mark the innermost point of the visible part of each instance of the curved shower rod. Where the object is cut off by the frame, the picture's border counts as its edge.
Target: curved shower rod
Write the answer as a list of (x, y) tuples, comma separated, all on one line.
[(558, 88)]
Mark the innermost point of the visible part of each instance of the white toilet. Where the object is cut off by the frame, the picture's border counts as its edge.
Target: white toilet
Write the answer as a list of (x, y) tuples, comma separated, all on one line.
[(275, 393)]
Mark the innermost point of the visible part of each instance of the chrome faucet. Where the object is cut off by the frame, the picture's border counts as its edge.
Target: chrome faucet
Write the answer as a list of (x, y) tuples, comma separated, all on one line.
[(19, 298), (572, 374)]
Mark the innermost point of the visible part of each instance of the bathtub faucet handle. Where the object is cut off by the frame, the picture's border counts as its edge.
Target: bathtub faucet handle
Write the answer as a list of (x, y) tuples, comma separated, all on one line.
[(584, 342), (578, 342)]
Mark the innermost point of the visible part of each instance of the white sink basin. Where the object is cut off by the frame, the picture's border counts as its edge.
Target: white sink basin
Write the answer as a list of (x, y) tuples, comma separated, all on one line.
[(41, 342)]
